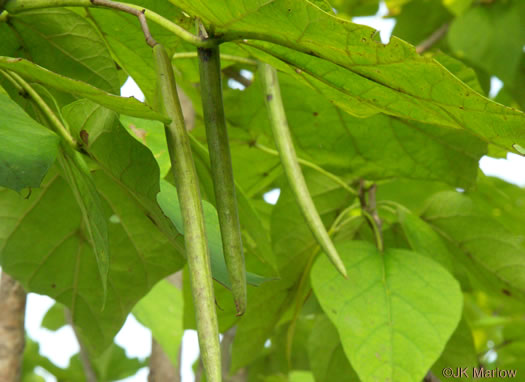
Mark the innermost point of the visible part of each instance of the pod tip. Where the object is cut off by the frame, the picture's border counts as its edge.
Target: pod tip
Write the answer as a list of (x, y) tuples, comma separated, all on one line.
[(240, 308)]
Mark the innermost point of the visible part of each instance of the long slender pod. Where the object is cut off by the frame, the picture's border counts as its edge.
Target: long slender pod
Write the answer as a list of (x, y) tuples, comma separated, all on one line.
[(220, 158), (292, 169), (193, 219)]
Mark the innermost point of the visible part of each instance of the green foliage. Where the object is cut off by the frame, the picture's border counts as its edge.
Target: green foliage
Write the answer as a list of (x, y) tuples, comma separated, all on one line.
[(388, 138), (27, 149), (405, 308)]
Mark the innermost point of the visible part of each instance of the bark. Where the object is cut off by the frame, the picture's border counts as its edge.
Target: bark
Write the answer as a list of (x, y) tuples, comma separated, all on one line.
[(161, 369), (12, 334)]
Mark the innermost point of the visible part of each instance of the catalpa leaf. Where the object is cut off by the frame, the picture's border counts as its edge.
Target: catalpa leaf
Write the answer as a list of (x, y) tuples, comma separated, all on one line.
[(492, 253), (43, 244), (360, 74), (36, 73), (327, 358), (460, 350), (78, 176), (499, 33), (378, 147), (394, 313), (63, 41), (27, 149)]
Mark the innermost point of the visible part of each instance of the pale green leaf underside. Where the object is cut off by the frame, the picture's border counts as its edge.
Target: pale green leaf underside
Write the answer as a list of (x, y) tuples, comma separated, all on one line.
[(90, 204), (27, 149), (36, 73), (44, 233), (359, 73), (63, 41), (395, 312), (169, 202)]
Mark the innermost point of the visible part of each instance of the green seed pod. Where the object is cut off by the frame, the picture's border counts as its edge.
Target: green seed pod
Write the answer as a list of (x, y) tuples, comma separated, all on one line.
[(220, 158), (292, 169), (193, 218)]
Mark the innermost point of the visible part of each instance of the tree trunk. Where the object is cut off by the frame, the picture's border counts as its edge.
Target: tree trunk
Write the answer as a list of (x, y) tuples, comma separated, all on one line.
[(161, 369), (12, 334)]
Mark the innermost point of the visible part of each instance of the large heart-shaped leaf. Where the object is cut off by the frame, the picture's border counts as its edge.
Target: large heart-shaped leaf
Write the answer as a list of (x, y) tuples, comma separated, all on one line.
[(27, 149), (394, 313), (78, 176), (360, 74), (43, 245)]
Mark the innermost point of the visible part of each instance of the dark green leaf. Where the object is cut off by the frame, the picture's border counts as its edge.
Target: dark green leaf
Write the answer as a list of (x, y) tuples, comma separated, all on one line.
[(489, 251), (358, 73), (459, 352), (43, 244), (327, 358), (499, 34), (27, 149)]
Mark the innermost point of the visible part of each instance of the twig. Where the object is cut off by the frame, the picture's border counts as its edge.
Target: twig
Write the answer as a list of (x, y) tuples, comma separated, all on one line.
[(235, 75), (83, 353), (132, 11), (433, 38)]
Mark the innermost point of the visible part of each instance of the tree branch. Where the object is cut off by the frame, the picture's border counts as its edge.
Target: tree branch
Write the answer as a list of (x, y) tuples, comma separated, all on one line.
[(433, 38), (12, 338), (430, 377), (132, 11), (83, 353)]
